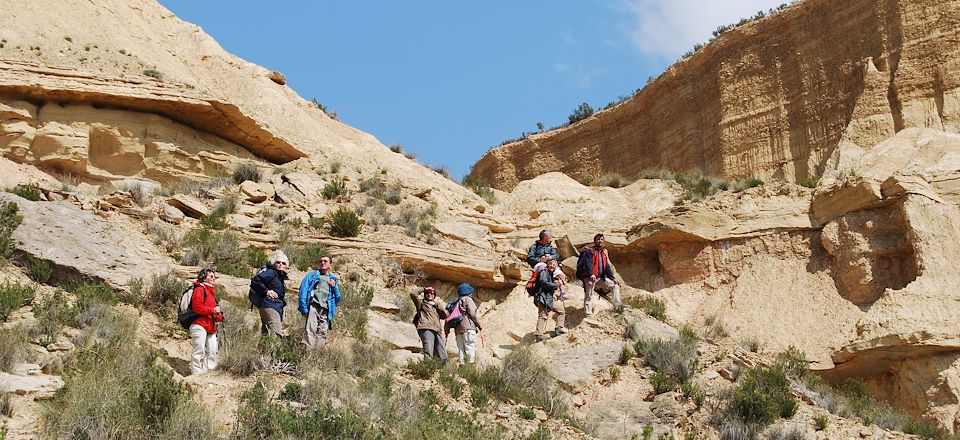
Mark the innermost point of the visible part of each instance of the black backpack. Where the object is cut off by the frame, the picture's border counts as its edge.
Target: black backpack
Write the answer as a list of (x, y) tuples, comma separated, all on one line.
[(256, 299)]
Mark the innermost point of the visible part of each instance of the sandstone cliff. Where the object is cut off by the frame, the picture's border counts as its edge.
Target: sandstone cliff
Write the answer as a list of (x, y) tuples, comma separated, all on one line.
[(773, 98)]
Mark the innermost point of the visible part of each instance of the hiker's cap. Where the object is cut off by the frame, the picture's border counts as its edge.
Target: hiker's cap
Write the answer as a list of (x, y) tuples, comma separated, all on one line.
[(464, 289), (427, 290)]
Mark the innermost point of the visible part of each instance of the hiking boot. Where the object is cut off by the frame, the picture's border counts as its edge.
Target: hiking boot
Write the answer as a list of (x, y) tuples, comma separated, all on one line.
[(560, 330)]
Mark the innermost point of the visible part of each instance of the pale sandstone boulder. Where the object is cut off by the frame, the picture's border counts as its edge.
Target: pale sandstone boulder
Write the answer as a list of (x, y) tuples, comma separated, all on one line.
[(76, 242), (574, 367), (170, 214), (470, 233), (252, 192), (189, 205)]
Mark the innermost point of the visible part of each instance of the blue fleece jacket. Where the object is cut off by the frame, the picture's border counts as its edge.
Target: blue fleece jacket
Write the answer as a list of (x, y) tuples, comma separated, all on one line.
[(307, 285)]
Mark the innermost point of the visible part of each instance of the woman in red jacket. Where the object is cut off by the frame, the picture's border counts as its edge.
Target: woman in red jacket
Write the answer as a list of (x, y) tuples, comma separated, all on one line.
[(203, 331)]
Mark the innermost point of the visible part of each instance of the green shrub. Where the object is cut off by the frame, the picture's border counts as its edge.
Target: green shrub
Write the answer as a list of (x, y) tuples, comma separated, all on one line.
[(316, 222), (693, 392), (29, 191), (625, 355), (309, 255), (793, 362), (334, 189), (246, 171), (425, 367), (614, 373), (10, 219), (38, 270), (809, 182), (526, 413), (217, 219), (581, 112), (163, 293), (52, 314), (255, 257), (335, 166), (6, 409), (441, 170), (13, 296), (747, 184), (762, 396), (479, 187), (655, 307), (396, 148), (676, 358), (662, 383), (292, 391), (820, 422), (217, 248), (394, 194), (523, 378), (118, 390), (345, 222), (353, 310)]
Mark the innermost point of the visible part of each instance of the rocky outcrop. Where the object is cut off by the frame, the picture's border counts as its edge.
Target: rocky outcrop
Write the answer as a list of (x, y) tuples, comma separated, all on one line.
[(80, 244), (773, 98)]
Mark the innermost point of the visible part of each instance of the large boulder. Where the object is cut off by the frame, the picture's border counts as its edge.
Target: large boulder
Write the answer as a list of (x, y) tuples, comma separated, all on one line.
[(79, 243)]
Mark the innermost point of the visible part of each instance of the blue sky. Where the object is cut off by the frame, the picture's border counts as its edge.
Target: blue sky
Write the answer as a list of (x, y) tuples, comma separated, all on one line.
[(450, 80)]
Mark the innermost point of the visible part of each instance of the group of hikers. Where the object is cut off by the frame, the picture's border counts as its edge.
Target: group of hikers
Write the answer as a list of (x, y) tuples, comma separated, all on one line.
[(319, 294)]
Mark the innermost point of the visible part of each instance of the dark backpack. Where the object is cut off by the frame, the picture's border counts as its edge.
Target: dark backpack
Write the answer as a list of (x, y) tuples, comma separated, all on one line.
[(185, 313), (256, 299), (532, 283)]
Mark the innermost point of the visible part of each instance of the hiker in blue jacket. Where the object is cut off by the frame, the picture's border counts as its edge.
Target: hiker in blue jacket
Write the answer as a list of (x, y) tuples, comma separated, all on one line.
[(267, 293), (319, 296)]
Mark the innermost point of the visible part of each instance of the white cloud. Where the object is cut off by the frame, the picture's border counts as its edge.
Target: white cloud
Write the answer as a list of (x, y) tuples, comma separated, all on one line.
[(668, 28)]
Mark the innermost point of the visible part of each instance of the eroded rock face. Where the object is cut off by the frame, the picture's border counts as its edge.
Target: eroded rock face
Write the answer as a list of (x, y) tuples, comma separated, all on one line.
[(782, 94), (103, 144), (870, 252)]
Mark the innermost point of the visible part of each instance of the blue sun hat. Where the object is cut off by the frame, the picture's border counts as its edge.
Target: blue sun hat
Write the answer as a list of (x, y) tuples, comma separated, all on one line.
[(465, 289)]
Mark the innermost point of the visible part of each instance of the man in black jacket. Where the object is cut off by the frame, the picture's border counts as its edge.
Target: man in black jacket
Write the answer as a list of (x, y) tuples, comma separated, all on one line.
[(542, 249), (593, 268), (549, 299)]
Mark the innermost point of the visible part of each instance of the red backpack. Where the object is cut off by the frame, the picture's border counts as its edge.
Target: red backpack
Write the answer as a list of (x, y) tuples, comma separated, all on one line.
[(532, 283)]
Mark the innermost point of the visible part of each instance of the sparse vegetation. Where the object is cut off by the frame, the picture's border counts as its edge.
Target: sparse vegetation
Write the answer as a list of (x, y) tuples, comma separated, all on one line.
[(334, 189), (163, 292), (625, 355), (217, 219), (13, 348), (246, 171), (424, 368), (697, 186), (137, 192), (676, 358), (29, 191), (612, 180), (522, 378), (352, 312), (441, 170), (335, 167), (153, 73), (344, 222), (13, 296), (10, 219), (762, 395), (809, 181), (724, 28), (655, 307), (39, 269), (581, 112), (396, 148), (116, 389), (308, 256), (820, 422), (479, 187), (220, 249), (662, 383)]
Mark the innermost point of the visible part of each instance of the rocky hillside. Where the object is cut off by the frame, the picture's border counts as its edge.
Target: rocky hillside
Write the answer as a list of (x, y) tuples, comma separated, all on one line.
[(135, 151), (775, 98)]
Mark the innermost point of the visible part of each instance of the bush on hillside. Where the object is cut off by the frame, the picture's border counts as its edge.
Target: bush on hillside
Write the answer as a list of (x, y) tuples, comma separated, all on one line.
[(344, 222), (29, 191), (10, 219), (581, 112), (13, 296), (246, 171)]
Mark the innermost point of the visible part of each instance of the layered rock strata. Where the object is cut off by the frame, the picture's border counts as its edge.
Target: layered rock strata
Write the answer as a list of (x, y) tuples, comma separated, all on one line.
[(773, 98)]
